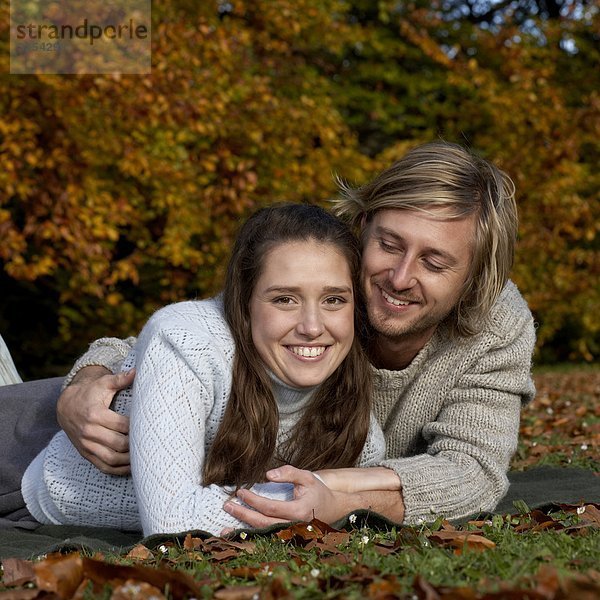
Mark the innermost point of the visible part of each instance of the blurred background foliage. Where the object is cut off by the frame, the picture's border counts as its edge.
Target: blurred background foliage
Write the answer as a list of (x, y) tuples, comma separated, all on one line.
[(119, 194)]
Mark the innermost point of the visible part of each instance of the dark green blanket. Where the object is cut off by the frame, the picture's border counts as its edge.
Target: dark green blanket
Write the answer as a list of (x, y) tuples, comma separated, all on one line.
[(538, 488)]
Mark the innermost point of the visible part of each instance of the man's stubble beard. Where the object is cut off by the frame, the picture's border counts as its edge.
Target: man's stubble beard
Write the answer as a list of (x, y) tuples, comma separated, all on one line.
[(390, 330)]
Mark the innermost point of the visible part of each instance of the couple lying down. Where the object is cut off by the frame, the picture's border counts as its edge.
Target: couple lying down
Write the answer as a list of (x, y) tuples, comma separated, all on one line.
[(268, 373), (268, 383)]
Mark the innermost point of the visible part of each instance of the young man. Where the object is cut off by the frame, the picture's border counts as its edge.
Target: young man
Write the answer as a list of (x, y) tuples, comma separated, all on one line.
[(451, 346)]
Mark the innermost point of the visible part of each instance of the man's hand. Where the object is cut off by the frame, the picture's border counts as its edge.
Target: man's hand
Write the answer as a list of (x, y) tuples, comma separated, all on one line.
[(312, 499), (99, 434)]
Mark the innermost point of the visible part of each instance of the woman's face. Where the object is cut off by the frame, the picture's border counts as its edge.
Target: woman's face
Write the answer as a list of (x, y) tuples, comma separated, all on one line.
[(302, 312)]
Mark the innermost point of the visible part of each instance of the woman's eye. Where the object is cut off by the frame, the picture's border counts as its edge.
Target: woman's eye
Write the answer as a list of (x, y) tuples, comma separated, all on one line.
[(283, 300), (335, 300)]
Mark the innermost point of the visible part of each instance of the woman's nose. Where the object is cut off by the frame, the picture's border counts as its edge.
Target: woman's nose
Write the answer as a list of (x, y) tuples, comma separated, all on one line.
[(311, 323)]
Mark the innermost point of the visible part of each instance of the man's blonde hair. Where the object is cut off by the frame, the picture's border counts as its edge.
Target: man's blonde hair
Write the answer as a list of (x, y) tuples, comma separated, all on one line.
[(446, 176)]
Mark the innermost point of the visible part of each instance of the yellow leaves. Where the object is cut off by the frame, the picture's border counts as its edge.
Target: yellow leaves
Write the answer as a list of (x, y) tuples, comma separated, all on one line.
[(113, 299), (421, 39), (31, 270)]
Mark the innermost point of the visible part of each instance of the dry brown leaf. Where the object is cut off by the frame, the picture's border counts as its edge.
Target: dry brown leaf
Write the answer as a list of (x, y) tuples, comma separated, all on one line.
[(224, 555), (547, 582), (300, 533), (60, 574), (192, 543), (591, 514), (20, 594), (245, 572), (237, 592), (582, 586), (336, 538), (181, 585), (16, 571), (382, 590), (140, 552), (459, 539)]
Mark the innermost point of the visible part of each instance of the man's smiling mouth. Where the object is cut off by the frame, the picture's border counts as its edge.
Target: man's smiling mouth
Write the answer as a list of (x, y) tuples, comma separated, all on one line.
[(390, 300)]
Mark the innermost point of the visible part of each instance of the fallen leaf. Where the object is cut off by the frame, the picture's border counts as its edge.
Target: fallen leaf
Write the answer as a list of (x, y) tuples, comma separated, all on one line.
[(60, 574), (460, 539), (140, 552), (224, 555), (383, 589), (301, 533), (591, 514), (16, 571), (28, 594), (181, 585), (238, 592), (192, 543)]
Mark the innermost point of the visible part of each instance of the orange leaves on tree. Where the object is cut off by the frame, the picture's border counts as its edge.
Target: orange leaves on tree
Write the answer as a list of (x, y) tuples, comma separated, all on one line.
[(119, 194)]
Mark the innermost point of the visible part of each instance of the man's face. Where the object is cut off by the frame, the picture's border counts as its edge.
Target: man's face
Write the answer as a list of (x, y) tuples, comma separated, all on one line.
[(413, 270)]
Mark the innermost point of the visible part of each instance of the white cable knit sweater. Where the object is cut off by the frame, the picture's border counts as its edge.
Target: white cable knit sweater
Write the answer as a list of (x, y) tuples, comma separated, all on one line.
[(183, 361)]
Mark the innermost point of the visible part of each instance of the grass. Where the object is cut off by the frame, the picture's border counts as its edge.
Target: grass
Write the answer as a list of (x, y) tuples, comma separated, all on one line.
[(561, 427), (399, 563)]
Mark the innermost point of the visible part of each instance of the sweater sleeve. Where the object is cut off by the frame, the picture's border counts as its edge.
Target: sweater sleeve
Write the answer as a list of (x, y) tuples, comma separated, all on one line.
[(104, 352), (179, 395), (472, 439)]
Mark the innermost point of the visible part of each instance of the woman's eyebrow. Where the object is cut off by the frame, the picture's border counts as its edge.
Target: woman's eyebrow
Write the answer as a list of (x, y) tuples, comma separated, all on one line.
[(329, 289)]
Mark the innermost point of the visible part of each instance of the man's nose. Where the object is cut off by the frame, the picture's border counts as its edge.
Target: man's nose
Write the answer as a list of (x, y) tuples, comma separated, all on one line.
[(402, 275)]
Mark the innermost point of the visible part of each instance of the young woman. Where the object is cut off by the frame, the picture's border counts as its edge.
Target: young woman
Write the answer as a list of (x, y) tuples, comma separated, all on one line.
[(266, 374)]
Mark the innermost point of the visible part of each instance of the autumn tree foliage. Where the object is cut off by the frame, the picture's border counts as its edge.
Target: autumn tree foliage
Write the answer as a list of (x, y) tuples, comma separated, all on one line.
[(517, 82), (120, 194)]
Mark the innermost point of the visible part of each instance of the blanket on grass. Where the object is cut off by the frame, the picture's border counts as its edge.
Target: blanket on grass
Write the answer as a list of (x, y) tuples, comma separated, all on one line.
[(27, 422), (541, 487)]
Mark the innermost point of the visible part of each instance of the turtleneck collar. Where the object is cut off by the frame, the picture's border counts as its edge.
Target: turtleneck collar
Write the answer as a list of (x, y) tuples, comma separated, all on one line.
[(290, 399)]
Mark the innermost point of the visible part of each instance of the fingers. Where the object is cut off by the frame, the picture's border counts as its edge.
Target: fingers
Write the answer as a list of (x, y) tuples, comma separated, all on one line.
[(289, 474), (104, 418), (107, 459), (124, 469), (277, 510), (251, 517), (121, 380), (95, 438)]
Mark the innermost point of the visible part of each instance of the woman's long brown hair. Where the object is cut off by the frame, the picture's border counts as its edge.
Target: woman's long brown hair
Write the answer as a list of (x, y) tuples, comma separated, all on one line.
[(334, 426)]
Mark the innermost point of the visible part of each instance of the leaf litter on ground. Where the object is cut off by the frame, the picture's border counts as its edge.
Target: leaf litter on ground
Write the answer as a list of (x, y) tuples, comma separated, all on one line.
[(314, 558)]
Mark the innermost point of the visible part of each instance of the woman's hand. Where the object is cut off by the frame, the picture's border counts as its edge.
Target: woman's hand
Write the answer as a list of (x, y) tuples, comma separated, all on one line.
[(312, 499)]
